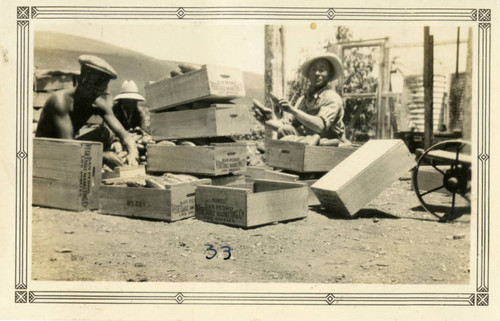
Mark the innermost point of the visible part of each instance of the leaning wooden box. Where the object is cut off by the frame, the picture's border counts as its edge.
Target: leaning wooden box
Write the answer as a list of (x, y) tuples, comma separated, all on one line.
[(265, 202), (66, 173), (362, 176), (196, 123), (211, 160), (210, 83), (174, 203), (303, 158)]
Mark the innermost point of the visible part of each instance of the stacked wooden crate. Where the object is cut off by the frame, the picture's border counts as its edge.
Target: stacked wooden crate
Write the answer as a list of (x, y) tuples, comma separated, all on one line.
[(45, 83), (196, 107), (191, 118)]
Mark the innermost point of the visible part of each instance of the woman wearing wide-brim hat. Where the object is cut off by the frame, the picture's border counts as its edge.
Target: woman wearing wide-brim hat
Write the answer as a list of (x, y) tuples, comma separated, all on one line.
[(320, 110), (125, 105)]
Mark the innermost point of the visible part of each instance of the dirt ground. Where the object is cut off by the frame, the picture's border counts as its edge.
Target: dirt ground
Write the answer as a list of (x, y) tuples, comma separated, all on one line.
[(392, 241)]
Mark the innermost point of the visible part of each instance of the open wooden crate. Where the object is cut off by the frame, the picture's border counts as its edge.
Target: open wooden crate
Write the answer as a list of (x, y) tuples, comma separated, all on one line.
[(174, 203), (301, 158), (262, 202)]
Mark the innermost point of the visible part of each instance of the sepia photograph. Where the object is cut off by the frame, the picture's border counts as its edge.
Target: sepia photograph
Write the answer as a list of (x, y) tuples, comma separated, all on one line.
[(345, 146), (249, 156)]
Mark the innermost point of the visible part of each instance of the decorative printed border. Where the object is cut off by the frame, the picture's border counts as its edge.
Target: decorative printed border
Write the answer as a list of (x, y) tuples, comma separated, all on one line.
[(251, 13), (244, 298), (24, 14), (483, 152), (22, 141)]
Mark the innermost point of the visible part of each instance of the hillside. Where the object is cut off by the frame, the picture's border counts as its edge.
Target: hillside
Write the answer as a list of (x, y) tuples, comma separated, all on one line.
[(60, 51)]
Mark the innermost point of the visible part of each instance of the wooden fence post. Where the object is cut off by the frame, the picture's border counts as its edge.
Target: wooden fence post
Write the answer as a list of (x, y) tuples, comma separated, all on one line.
[(428, 79), (274, 75)]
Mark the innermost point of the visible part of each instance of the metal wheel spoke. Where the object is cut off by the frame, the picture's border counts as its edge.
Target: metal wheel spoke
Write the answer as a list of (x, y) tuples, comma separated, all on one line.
[(454, 165), (436, 168), (432, 190), (453, 204)]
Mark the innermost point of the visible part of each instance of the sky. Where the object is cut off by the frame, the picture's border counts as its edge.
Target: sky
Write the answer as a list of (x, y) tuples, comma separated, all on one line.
[(242, 45)]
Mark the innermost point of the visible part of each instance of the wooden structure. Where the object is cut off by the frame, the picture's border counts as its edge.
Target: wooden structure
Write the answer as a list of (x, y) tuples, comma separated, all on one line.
[(66, 173), (363, 175), (445, 168), (303, 158), (265, 202), (213, 160), (173, 203), (381, 94), (210, 83), (205, 122), (274, 69)]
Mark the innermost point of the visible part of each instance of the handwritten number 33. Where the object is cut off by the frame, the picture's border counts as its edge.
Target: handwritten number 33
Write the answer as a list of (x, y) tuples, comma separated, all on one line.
[(210, 248)]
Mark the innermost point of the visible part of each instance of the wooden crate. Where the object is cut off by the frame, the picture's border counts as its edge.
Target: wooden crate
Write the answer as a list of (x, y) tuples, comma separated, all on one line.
[(53, 81), (39, 98), (197, 123), (303, 158), (265, 202), (362, 176), (66, 173), (210, 83), (174, 203), (212, 160), (258, 172)]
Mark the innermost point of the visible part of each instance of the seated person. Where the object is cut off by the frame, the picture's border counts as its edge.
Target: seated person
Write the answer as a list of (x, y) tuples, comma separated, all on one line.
[(67, 111), (320, 110), (125, 107)]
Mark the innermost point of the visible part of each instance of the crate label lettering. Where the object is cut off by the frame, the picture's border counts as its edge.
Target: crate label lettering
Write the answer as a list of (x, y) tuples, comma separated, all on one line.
[(226, 164), (85, 175), (220, 213), (227, 87), (184, 208), (139, 204)]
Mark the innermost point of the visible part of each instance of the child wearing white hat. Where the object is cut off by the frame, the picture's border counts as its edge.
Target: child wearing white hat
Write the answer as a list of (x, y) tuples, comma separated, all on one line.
[(125, 105)]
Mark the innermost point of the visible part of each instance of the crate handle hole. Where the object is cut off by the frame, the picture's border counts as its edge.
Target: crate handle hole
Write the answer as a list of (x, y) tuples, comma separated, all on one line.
[(233, 115), (225, 76), (190, 194), (285, 151), (231, 153)]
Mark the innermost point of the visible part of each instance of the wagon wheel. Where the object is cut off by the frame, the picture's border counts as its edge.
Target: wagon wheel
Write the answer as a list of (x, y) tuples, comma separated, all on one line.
[(449, 165)]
